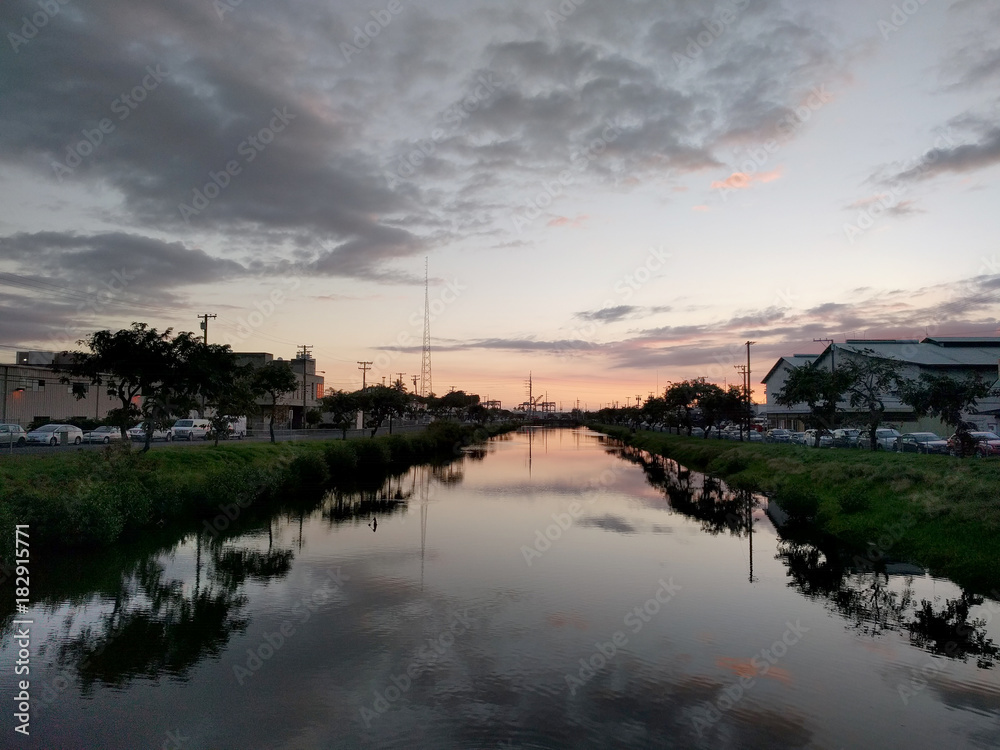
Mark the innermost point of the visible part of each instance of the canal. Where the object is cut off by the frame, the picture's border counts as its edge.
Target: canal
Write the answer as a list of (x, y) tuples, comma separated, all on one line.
[(551, 589)]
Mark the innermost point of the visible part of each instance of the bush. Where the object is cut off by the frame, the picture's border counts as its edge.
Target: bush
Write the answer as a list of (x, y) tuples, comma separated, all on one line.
[(372, 453), (308, 471)]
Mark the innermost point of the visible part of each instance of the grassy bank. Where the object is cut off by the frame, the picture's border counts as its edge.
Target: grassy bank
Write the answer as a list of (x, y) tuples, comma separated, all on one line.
[(93, 498), (939, 512)]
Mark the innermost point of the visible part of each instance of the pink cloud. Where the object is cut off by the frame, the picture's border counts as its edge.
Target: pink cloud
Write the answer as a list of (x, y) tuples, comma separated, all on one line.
[(743, 180), (563, 221)]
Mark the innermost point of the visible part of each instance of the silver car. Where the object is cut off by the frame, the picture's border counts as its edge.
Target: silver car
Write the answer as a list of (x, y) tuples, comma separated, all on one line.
[(12, 433), (52, 434), (139, 433), (103, 434)]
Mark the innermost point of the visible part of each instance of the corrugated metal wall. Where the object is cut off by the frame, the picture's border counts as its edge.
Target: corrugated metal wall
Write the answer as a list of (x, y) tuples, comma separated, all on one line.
[(29, 393)]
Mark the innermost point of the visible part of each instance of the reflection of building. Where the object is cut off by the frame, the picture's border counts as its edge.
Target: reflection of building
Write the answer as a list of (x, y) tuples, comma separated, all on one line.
[(289, 411), (30, 391), (957, 357)]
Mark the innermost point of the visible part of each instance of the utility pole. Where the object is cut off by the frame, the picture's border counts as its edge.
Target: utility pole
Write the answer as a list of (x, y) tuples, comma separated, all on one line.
[(364, 367), (399, 380), (204, 324), (204, 318), (833, 351), (749, 402), (742, 369), (304, 354), (415, 378)]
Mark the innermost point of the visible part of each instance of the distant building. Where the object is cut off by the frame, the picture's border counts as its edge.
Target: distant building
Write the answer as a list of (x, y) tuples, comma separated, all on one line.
[(289, 412), (33, 393), (786, 417), (950, 355)]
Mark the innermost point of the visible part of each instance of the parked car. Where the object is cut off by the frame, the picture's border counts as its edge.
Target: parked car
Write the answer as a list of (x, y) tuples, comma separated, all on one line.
[(139, 433), (846, 438), (825, 438), (237, 429), (987, 443), (922, 442), (191, 429), (103, 434), (885, 439), (12, 433), (778, 436), (755, 436), (798, 438), (52, 434)]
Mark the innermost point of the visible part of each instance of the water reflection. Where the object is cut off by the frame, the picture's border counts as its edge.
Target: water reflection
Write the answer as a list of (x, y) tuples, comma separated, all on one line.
[(153, 627), (871, 600), (152, 624)]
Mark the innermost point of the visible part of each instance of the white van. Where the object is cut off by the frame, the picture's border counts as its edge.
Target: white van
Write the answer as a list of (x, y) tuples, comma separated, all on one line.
[(236, 428), (191, 429)]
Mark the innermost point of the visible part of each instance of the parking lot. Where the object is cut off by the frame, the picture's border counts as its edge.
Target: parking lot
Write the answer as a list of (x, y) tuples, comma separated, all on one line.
[(257, 436)]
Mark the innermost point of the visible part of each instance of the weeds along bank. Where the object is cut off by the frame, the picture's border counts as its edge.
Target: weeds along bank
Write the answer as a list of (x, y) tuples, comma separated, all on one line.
[(940, 512), (93, 498)]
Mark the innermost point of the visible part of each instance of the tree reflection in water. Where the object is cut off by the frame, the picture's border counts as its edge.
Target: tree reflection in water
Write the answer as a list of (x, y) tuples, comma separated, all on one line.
[(820, 569), (154, 628)]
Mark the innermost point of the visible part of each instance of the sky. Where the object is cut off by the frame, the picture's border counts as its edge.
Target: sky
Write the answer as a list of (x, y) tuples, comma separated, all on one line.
[(608, 196)]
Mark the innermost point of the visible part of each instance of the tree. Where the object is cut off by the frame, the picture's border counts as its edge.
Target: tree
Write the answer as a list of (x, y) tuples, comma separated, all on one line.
[(947, 398), (342, 407), (718, 405), (274, 379), (228, 404), (681, 399), (820, 390), (711, 402), (871, 379), (380, 402), (655, 411), (132, 364)]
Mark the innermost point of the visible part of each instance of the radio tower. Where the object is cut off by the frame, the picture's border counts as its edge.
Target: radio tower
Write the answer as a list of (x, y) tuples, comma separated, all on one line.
[(425, 361)]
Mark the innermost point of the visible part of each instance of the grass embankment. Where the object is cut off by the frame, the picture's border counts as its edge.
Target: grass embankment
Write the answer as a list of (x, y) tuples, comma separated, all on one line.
[(940, 512), (93, 498)]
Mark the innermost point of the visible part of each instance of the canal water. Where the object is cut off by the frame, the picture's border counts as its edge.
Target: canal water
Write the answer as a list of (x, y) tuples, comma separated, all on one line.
[(549, 590)]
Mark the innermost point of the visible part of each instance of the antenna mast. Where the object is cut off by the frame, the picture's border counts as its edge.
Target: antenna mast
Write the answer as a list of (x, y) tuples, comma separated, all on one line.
[(425, 362)]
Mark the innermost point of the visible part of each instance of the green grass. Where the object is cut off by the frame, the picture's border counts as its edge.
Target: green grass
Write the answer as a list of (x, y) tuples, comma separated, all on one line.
[(93, 498), (950, 508)]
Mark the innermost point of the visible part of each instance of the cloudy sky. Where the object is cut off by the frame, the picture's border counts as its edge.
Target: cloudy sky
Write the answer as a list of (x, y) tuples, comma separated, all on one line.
[(608, 195)]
